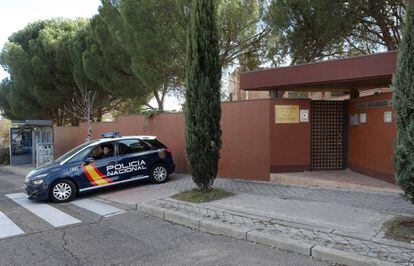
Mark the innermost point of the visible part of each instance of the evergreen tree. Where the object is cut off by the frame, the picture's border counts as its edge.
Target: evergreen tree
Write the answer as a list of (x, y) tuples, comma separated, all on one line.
[(312, 30), (109, 65), (42, 81), (202, 106), (403, 88)]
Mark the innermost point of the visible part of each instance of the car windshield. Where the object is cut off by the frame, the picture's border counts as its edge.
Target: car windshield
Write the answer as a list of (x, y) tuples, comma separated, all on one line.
[(72, 152)]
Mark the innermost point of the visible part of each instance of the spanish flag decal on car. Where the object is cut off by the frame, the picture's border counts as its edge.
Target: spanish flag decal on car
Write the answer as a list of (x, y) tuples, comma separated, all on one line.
[(95, 176)]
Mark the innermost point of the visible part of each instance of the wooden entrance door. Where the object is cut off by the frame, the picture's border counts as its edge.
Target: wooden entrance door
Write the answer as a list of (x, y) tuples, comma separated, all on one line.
[(328, 135)]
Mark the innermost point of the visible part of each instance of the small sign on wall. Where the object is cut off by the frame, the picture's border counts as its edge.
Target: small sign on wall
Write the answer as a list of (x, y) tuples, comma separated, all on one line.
[(304, 115), (374, 104), (286, 114)]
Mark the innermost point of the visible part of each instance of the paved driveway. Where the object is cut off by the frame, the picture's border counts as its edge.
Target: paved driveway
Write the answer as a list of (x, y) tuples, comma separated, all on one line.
[(385, 203)]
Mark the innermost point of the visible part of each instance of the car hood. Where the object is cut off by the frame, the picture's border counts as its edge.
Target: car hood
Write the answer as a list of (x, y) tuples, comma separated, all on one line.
[(44, 169)]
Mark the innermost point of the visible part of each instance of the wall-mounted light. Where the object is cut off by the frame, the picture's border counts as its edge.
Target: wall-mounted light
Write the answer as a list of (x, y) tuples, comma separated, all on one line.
[(388, 117), (363, 118)]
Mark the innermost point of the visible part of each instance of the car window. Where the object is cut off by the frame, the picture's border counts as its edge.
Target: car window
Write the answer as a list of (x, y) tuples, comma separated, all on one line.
[(128, 146), (72, 152), (80, 157), (102, 151), (155, 144)]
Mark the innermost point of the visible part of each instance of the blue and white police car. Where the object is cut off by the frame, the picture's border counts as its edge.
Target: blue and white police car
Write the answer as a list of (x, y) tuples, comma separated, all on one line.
[(101, 163)]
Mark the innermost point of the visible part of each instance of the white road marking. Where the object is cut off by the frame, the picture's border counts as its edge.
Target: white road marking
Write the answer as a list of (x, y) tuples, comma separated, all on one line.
[(44, 211), (98, 207), (7, 227)]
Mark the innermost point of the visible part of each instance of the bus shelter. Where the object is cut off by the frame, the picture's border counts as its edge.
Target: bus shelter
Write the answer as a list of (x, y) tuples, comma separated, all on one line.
[(31, 142)]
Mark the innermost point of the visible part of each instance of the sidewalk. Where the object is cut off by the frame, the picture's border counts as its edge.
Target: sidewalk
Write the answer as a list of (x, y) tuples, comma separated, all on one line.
[(319, 242), (337, 225)]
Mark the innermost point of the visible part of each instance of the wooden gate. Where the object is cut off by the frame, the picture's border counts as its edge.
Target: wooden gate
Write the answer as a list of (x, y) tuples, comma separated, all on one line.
[(328, 135)]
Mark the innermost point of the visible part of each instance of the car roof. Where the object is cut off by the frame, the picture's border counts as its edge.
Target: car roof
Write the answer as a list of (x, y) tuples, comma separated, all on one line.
[(141, 137)]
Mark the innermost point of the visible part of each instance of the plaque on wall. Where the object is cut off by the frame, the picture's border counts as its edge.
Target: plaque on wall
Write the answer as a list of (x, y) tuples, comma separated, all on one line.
[(286, 114)]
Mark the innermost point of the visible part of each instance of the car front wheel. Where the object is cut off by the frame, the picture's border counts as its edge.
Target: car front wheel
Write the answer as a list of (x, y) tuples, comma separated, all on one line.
[(62, 191), (159, 174)]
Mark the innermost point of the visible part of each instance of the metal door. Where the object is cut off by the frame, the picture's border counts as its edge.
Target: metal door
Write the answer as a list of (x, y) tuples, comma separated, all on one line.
[(328, 135)]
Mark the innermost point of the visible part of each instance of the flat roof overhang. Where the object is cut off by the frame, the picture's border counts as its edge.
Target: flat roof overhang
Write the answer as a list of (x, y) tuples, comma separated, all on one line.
[(362, 72), (44, 123)]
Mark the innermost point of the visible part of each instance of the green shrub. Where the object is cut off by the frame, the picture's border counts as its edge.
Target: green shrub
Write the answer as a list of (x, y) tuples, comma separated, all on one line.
[(403, 91), (202, 99), (4, 155), (198, 196)]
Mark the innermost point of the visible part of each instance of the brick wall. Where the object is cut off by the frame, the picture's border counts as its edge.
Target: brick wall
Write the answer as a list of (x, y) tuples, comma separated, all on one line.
[(289, 143), (245, 151), (370, 145), (253, 145)]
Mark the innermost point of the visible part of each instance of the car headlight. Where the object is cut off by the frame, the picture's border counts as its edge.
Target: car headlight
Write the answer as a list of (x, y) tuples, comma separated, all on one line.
[(37, 180)]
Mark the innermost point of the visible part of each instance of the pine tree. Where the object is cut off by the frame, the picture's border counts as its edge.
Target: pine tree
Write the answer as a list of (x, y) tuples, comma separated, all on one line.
[(202, 106), (403, 88)]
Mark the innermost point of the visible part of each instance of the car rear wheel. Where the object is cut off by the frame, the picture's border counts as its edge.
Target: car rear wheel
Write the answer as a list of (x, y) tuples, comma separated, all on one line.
[(62, 191), (159, 174)]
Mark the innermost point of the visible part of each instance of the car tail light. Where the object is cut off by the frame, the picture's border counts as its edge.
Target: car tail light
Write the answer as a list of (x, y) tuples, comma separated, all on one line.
[(167, 150)]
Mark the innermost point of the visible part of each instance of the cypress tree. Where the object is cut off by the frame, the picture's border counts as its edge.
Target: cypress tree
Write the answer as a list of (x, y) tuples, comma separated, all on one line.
[(202, 107), (403, 91)]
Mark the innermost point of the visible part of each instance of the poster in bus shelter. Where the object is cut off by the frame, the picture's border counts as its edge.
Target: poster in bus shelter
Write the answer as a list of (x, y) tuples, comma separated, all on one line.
[(21, 140)]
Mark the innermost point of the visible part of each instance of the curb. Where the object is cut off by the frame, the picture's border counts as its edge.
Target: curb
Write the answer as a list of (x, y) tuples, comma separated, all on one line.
[(341, 257), (218, 228), (183, 219), (151, 210), (261, 237), (264, 238)]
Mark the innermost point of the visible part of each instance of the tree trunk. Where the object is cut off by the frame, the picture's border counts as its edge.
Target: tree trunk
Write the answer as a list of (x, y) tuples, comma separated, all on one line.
[(160, 101), (74, 121), (89, 130), (99, 115)]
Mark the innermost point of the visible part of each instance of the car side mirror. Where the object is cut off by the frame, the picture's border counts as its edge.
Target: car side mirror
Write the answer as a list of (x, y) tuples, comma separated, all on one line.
[(89, 160)]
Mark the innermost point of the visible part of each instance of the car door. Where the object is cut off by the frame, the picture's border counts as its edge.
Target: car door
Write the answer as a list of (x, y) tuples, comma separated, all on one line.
[(74, 168), (134, 161), (98, 172)]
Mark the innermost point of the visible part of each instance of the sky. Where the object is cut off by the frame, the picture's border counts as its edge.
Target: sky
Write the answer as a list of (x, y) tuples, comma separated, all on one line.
[(16, 14)]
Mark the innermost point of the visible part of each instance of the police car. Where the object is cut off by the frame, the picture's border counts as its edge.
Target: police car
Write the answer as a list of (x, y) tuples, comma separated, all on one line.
[(101, 163)]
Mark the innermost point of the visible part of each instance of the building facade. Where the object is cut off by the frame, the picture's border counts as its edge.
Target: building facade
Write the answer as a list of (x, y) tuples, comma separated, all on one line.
[(354, 130)]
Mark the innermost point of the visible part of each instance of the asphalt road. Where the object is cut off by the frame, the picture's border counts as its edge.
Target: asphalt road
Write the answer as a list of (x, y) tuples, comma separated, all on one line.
[(91, 231)]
